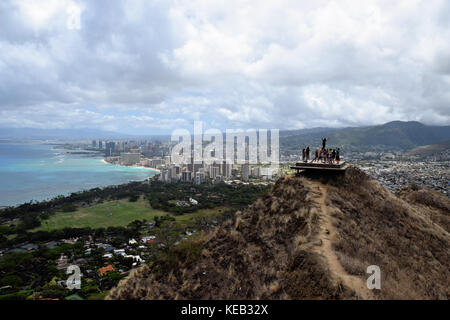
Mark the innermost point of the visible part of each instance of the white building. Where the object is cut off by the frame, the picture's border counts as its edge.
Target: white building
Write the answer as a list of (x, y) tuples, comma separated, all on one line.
[(156, 163), (136, 259), (228, 170), (165, 175), (119, 252), (128, 158), (388, 156), (214, 172), (199, 177)]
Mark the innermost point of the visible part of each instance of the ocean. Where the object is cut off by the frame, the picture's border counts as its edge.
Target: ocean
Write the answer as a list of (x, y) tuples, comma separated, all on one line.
[(36, 171)]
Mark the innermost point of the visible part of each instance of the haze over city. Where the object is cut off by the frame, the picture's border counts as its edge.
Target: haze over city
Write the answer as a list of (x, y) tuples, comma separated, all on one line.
[(147, 67)]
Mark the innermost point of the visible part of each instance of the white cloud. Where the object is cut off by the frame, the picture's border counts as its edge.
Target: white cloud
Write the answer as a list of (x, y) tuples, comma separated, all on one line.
[(285, 64)]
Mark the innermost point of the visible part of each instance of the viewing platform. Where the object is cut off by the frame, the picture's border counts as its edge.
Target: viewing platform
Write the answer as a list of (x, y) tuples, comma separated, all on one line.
[(319, 166)]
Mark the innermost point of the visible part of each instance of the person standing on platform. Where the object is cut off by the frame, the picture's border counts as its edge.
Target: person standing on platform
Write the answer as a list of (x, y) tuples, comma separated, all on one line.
[(307, 154), (303, 154), (324, 143)]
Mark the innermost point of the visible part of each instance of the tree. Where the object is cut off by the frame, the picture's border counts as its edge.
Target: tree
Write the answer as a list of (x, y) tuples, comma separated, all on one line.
[(168, 234), (29, 221), (11, 280), (68, 207)]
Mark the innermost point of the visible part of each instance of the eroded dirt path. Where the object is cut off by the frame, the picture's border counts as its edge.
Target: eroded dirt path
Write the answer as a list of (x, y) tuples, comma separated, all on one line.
[(326, 234)]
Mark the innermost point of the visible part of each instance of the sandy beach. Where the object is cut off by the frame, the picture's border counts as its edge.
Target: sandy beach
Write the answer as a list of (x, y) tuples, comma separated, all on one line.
[(135, 166)]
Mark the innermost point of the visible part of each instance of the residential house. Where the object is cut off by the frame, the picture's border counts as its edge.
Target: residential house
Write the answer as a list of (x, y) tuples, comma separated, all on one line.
[(104, 270)]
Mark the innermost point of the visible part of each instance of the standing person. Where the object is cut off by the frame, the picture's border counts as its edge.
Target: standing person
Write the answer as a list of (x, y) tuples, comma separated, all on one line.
[(303, 154), (334, 154), (338, 158), (324, 143), (307, 154), (316, 155)]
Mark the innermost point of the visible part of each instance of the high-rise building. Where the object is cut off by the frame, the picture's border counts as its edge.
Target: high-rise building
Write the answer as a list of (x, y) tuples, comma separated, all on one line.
[(110, 147), (94, 144), (199, 177), (256, 172), (100, 144), (174, 173), (186, 176), (165, 175), (156, 163), (226, 170), (214, 172), (245, 171), (198, 167)]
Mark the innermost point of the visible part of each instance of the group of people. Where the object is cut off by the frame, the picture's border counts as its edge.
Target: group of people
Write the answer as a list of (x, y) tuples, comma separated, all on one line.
[(324, 155)]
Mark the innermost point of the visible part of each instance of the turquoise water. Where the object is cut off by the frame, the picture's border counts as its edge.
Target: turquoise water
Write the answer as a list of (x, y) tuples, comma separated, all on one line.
[(32, 171)]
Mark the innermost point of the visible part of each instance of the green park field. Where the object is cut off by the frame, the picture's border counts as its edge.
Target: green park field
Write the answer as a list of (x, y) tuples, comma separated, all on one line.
[(114, 214), (108, 214)]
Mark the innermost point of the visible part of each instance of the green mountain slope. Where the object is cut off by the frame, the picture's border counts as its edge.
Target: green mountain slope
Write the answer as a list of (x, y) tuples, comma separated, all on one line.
[(397, 134), (429, 150)]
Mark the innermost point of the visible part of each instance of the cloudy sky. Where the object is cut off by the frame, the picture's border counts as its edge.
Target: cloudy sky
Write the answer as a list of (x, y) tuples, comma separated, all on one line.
[(142, 66)]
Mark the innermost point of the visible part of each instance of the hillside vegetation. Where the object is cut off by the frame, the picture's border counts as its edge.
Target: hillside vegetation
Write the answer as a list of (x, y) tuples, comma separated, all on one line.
[(311, 238), (395, 134), (429, 150)]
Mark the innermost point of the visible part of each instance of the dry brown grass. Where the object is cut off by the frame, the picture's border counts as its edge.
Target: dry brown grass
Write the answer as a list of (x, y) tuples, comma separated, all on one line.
[(266, 251), (377, 228), (254, 256)]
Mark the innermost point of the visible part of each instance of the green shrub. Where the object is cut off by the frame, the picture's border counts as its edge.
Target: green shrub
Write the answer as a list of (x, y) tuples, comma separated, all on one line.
[(180, 256), (68, 207), (11, 280), (21, 295), (133, 198)]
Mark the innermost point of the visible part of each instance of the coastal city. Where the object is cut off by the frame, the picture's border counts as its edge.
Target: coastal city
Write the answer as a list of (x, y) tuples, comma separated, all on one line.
[(396, 174), (392, 168), (156, 155)]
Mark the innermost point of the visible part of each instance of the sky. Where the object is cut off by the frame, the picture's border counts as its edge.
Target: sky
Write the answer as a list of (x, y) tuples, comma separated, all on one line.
[(143, 66)]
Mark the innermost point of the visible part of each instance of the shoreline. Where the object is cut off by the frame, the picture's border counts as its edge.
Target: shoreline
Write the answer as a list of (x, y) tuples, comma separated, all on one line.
[(38, 196), (133, 166)]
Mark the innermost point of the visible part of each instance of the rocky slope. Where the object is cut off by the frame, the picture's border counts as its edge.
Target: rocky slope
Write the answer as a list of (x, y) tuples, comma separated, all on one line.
[(311, 238)]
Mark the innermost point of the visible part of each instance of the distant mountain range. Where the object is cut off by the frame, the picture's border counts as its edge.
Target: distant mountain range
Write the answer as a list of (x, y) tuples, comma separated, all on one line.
[(395, 134)]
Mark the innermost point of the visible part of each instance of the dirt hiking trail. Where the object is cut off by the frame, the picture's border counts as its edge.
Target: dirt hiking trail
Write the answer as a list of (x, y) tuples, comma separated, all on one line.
[(325, 237)]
